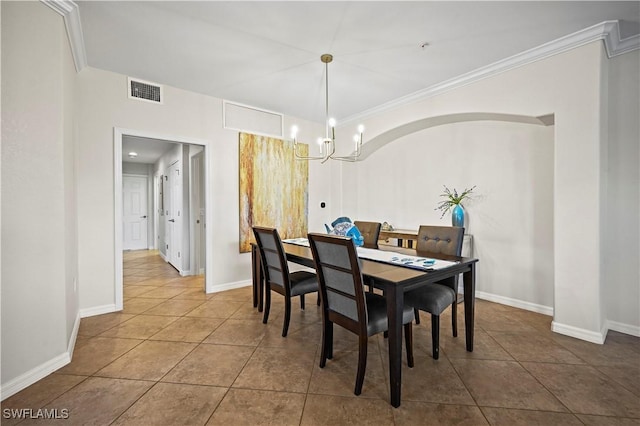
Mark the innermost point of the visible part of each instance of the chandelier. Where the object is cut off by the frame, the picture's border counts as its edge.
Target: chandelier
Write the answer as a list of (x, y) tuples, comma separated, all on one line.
[(328, 143)]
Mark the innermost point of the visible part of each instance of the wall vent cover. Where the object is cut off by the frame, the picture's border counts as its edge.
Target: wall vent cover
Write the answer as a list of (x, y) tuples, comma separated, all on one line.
[(145, 91)]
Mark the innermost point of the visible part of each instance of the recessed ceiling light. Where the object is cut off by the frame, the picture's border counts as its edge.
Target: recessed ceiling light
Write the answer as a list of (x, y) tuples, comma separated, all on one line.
[(133, 154)]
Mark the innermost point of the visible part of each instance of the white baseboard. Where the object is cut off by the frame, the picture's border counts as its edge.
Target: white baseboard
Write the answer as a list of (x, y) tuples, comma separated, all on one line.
[(229, 286), (43, 370), (580, 333), (98, 310), (568, 330), (633, 330), (30, 377), (541, 309)]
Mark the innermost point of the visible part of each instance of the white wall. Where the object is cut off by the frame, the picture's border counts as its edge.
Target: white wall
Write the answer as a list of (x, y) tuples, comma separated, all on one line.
[(69, 166), (103, 105), (621, 285), (510, 215), (39, 261), (570, 86)]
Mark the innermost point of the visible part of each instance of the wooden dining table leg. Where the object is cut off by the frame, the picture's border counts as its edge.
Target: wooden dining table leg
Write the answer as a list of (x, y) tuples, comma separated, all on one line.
[(261, 286), (254, 277), (257, 279), (395, 303), (469, 282)]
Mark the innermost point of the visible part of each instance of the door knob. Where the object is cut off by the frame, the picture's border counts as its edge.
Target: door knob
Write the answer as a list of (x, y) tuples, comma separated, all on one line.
[(172, 220), (143, 217)]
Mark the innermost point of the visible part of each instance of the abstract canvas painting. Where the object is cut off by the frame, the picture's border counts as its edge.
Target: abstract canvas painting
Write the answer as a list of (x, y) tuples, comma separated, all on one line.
[(274, 188)]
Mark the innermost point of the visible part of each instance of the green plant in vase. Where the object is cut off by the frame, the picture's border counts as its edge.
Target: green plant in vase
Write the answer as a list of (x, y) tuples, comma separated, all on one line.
[(453, 202)]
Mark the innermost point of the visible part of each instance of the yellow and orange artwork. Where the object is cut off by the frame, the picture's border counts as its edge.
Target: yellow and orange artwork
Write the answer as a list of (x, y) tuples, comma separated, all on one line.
[(274, 188)]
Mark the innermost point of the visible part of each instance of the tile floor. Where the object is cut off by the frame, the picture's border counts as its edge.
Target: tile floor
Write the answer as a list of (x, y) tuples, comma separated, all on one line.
[(175, 355)]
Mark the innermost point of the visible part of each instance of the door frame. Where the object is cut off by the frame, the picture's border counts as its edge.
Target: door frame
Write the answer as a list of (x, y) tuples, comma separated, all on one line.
[(196, 182), (118, 133)]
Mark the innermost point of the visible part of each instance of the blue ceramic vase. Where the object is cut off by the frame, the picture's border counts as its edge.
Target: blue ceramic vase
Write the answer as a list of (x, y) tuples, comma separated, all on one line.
[(457, 216)]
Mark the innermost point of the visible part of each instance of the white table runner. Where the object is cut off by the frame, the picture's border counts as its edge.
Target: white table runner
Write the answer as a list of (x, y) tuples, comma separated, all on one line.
[(405, 260), (391, 257)]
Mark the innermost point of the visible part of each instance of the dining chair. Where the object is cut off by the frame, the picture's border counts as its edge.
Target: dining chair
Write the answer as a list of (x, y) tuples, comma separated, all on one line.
[(435, 298), (370, 231), (344, 301), (277, 276)]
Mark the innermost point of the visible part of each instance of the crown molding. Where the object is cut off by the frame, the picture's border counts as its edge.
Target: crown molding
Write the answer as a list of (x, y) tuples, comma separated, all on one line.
[(71, 15), (614, 44), (608, 31)]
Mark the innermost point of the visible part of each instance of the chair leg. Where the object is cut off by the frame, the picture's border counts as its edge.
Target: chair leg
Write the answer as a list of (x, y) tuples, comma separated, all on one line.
[(435, 335), (267, 304), (408, 340), (327, 343), (454, 317), (362, 363), (330, 345), (371, 286), (318, 301), (287, 316), (302, 302), (416, 313)]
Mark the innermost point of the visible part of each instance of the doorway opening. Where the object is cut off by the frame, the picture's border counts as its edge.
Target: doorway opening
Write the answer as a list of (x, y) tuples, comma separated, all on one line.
[(175, 200)]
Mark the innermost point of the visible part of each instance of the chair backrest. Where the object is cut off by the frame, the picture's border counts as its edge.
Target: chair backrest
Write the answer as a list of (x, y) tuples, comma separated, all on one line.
[(440, 239), (274, 262), (340, 281), (370, 231)]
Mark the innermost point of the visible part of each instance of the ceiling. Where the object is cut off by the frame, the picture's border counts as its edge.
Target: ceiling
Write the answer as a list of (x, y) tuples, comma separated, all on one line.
[(267, 54), (148, 150)]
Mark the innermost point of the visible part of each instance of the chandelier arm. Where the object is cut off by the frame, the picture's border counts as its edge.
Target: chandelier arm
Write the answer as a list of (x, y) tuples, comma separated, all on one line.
[(347, 159), (304, 157), (353, 157), (328, 148), (301, 157)]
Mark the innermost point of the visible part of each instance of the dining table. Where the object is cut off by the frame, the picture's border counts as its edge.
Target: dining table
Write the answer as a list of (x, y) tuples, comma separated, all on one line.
[(394, 280)]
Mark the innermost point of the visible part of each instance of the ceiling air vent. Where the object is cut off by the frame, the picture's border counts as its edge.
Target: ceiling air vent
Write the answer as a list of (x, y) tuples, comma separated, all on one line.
[(145, 91)]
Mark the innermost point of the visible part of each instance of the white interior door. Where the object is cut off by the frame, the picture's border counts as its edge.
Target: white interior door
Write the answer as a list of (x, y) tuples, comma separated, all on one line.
[(134, 215), (174, 216)]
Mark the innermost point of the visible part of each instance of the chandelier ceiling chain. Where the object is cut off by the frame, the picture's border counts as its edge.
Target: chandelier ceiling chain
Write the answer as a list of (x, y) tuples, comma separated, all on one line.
[(328, 143)]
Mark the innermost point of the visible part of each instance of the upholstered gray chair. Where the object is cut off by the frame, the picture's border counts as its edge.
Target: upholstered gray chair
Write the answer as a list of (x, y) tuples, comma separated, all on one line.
[(345, 302), (370, 232), (277, 276), (435, 298)]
